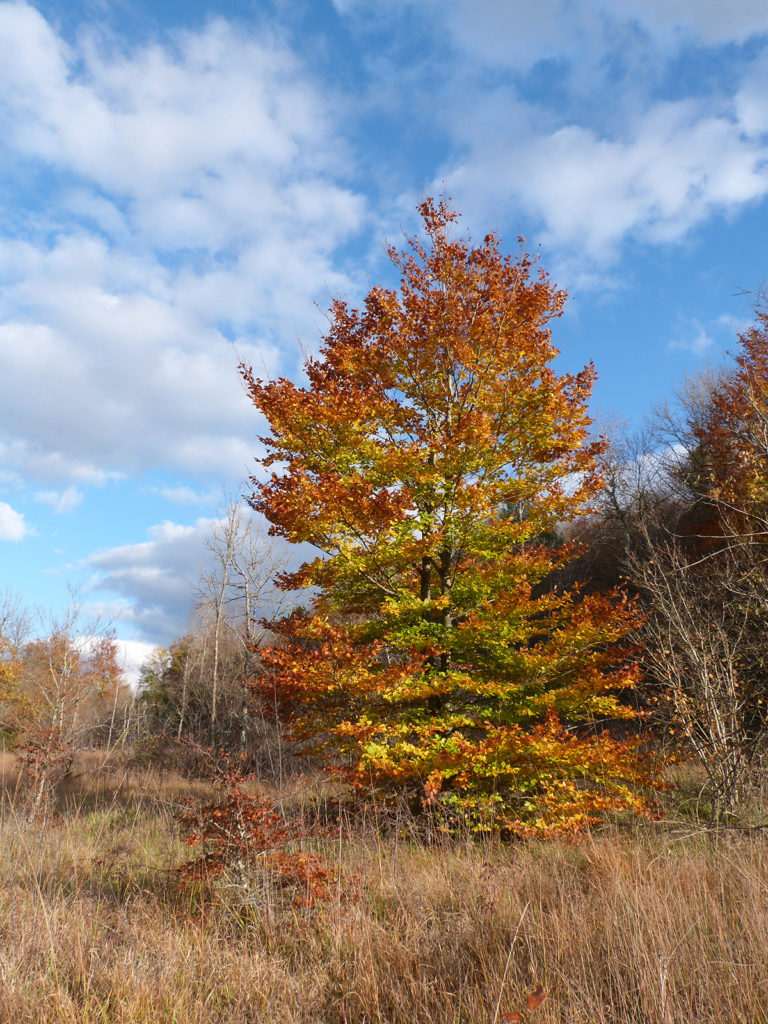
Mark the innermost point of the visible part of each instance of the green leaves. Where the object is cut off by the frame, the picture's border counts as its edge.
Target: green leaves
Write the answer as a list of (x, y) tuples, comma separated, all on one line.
[(438, 647)]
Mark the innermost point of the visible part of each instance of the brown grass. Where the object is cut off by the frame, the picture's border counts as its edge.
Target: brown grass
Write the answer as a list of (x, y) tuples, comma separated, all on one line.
[(645, 927)]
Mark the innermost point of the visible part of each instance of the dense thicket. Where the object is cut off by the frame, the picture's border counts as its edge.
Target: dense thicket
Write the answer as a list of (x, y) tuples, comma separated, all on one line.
[(683, 519)]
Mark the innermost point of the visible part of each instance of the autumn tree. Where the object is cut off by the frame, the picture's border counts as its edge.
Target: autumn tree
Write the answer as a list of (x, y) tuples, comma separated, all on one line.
[(704, 576), (429, 459), (732, 453), (59, 678), (60, 683), (15, 626)]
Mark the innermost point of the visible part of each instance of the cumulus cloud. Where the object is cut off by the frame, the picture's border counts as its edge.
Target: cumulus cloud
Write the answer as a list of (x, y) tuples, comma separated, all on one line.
[(669, 171), (698, 342), (203, 202), (704, 338), (132, 654), (179, 119), (516, 34), (30, 459), (187, 495), (602, 155), (153, 582), (198, 222), (150, 589), (750, 99), (12, 525), (709, 22), (519, 34)]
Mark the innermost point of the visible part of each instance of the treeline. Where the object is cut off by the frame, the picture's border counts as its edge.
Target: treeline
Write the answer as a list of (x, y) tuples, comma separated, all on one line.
[(682, 520), (512, 619), (63, 686), (677, 525), (197, 695)]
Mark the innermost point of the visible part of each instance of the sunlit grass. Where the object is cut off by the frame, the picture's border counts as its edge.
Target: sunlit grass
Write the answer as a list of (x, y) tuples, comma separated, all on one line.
[(94, 926)]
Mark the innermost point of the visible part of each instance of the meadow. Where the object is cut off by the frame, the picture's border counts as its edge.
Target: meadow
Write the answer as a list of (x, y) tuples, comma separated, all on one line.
[(652, 923)]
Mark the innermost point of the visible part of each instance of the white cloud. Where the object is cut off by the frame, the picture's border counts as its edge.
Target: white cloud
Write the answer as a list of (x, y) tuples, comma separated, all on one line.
[(12, 525), (518, 34), (132, 654), (672, 169), (699, 343), (140, 374), (734, 325), (711, 22), (35, 462), (61, 501), (751, 105), (599, 156), (204, 208), (171, 119), (719, 334), (152, 583), (150, 588), (206, 198)]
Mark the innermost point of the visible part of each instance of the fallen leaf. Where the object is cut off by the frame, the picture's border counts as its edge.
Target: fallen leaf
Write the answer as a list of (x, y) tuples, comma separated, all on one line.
[(536, 998)]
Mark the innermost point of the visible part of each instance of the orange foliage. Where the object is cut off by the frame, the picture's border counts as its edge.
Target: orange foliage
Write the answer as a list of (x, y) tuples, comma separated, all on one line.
[(246, 830), (430, 459), (734, 435)]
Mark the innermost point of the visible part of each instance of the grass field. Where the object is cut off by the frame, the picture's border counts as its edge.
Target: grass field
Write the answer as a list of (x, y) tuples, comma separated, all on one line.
[(649, 925)]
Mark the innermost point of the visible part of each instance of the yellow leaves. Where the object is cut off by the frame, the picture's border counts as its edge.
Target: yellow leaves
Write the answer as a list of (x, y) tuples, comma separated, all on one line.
[(430, 457)]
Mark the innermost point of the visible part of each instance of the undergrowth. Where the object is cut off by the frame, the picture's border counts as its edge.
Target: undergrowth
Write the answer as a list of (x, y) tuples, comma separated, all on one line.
[(653, 925)]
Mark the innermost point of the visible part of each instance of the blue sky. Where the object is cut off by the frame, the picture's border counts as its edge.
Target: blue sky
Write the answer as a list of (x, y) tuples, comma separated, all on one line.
[(184, 185)]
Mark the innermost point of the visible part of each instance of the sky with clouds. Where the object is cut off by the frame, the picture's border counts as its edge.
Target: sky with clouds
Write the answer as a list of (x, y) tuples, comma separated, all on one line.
[(185, 186)]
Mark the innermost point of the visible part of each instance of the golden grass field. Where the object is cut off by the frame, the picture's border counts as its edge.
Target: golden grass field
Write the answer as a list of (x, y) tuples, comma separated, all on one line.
[(648, 925)]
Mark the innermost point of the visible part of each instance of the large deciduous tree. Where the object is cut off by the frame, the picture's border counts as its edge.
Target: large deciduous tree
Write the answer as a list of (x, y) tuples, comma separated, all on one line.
[(430, 458)]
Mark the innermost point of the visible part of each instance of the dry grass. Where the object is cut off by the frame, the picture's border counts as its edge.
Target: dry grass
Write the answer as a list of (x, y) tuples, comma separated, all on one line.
[(93, 927)]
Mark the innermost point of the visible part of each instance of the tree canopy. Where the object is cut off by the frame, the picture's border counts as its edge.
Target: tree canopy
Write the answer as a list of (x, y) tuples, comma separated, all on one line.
[(430, 457)]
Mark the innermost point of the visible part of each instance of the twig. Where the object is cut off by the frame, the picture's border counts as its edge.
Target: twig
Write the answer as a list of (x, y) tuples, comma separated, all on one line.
[(509, 957)]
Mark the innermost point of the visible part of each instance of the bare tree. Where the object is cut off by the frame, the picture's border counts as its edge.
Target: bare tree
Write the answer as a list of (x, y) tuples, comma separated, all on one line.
[(198, 689), (213, 589), (706, 647), (15, 622), (695, 551), (236, 591)]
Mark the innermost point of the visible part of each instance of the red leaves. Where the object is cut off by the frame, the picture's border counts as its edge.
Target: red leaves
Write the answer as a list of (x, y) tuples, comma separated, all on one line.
[(248, 831), (436, 648), (533, 1001), (733, 439)]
